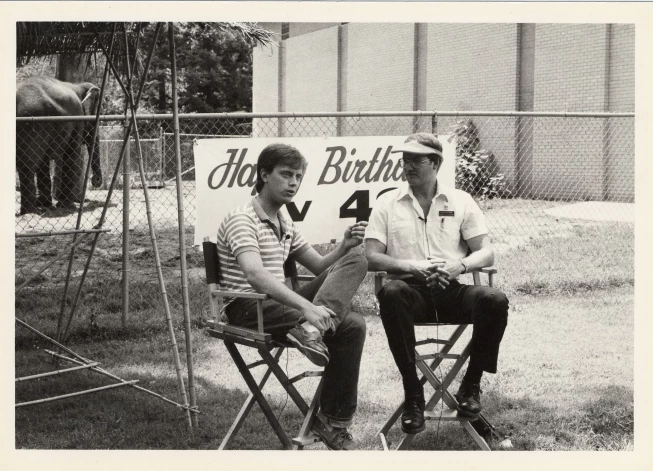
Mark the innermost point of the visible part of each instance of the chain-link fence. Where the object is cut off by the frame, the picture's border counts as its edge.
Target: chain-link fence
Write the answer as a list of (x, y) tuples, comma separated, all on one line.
[(557, 191)]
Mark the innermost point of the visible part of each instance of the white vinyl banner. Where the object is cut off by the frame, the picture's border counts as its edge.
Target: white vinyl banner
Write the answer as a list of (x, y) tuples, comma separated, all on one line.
[(344, 177)]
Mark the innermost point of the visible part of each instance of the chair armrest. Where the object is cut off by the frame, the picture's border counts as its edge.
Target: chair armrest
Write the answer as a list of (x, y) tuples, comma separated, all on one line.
[(305, 277), (488, 270), (379, 279), (238, 294)]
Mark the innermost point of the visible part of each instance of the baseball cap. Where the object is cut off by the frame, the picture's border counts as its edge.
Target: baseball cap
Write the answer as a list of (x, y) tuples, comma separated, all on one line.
[(414, 147)]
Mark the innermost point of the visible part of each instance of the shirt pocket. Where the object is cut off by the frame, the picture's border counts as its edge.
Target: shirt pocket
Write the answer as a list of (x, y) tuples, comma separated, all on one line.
[(403, 232)]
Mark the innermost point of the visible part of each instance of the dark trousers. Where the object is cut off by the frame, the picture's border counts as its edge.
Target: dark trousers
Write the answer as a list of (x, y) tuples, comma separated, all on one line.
[(334, 288), (402, 305)]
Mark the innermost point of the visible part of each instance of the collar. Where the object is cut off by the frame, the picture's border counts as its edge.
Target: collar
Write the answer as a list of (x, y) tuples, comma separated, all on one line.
[(441, 190), (264, 217)]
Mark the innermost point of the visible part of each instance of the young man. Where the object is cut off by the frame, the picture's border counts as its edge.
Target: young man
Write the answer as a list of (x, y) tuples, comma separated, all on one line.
[(425, 235), (253, 243)]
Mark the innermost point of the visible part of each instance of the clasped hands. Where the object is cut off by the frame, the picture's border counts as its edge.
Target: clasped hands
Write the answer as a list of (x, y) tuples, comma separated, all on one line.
[(436, 272)]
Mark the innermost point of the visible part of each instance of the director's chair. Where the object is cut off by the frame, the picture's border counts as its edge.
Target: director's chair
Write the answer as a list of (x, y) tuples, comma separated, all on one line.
[(269, 349), (477, 428)]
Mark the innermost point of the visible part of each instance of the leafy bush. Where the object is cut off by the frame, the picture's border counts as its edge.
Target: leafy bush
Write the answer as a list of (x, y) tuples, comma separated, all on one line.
[(475, 167)]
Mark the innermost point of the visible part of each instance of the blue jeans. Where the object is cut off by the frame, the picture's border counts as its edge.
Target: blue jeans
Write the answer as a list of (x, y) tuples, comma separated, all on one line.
[(333, 288), (402, 305)]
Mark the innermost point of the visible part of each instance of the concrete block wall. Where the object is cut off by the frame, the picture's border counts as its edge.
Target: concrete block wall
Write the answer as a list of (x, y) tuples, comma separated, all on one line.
[(311, 81), (570, 75), (380, 73), (265, 83), (559, 67), (474, 67), (620, 158)]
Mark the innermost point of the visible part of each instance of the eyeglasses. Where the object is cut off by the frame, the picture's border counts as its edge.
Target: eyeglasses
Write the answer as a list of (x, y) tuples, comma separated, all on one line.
[(403, 163)]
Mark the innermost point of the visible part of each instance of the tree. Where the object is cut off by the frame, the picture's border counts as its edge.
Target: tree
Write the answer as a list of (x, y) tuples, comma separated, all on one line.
[(214, 71), (214, 62)]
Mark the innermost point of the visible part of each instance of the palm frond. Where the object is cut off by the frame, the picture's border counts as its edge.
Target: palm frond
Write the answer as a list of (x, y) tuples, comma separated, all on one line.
[(45, 38)]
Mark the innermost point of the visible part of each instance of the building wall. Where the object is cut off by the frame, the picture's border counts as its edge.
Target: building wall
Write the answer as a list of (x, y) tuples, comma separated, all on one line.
[(620, 154), (392, 66), (265, 83), (570, 75), (297, 29), (380, 73), (311, 79), (474, 67)]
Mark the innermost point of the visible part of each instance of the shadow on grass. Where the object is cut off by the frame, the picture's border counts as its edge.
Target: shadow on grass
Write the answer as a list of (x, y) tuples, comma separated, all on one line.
[(125, 418), (605, 422)]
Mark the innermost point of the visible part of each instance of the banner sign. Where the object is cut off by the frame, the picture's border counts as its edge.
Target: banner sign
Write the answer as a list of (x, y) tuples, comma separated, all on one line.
[(344, 177)]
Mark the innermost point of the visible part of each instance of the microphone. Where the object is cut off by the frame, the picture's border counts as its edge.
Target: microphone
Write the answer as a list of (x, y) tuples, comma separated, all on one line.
[(287, 237), (422, 219)]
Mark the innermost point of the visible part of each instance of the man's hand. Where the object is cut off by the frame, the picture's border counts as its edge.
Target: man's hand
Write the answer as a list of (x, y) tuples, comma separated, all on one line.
[(320, 317), (354, 235), (420, 269), (454, 268), (439, 275)]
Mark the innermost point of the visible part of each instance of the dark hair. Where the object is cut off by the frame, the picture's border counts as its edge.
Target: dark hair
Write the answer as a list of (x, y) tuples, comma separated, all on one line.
[(277, 154), (428, 140)]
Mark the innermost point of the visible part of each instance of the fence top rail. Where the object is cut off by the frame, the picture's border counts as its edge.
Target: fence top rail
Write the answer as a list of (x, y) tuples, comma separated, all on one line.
[(339, 114)]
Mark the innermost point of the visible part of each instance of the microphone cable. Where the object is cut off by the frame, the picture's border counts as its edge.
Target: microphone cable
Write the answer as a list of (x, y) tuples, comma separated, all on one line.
[(437, 334)]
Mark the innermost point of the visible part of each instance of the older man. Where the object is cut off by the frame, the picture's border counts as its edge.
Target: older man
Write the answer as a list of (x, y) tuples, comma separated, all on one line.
[(425, 235)]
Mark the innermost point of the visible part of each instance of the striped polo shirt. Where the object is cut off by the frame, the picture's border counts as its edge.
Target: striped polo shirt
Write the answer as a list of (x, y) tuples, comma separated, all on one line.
[(250, 229)]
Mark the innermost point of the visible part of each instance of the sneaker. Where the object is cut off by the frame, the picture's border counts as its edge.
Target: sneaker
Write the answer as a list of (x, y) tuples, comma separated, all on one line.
[(310, 344), (469, 399), (412, 418), (335, 439)]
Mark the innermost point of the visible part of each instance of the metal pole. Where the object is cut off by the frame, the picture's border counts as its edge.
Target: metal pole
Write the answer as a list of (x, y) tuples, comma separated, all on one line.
[(161, 157), (180, 223), (335, 114), (434, 123), (126, 186)]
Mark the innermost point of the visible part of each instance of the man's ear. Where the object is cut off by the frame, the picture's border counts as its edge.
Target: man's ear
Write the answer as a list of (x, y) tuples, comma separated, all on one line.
[(264, 175)]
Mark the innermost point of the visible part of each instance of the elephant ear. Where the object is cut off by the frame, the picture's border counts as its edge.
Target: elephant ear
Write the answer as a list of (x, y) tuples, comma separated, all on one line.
[(90, 99)]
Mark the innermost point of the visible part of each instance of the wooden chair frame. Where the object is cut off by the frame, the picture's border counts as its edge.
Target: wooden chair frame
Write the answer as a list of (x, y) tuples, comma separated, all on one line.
[(270, 351), (428, 364)]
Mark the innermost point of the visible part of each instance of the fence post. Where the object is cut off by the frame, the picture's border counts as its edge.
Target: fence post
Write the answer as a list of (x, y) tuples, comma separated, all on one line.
[(126, 183), (434, 123), (161, 158)]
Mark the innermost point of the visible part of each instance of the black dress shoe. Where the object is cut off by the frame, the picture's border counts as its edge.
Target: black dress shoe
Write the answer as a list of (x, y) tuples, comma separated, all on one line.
[(412, 418), (469, 399)]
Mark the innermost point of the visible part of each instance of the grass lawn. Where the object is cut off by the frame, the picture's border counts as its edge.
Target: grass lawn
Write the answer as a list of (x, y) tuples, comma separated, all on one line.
[(565, 378), (565, 383)]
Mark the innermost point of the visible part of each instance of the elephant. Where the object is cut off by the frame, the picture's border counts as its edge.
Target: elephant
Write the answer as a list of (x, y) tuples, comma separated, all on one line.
[(39, 142)]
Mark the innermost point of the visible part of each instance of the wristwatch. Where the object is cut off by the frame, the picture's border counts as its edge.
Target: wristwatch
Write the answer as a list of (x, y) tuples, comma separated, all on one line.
[(464, 264)]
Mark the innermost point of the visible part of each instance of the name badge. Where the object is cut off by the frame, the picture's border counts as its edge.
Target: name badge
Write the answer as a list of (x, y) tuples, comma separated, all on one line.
[(446, 214)]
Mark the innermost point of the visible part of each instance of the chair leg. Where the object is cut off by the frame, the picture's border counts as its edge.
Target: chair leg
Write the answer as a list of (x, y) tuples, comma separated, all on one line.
[(251, 383), (247, 407), (307, 425), (284, 381), (404, 443)]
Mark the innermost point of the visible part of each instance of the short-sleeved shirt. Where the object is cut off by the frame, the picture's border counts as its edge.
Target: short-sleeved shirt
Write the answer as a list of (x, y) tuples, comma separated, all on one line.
[(250, 229), (398, 221)]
